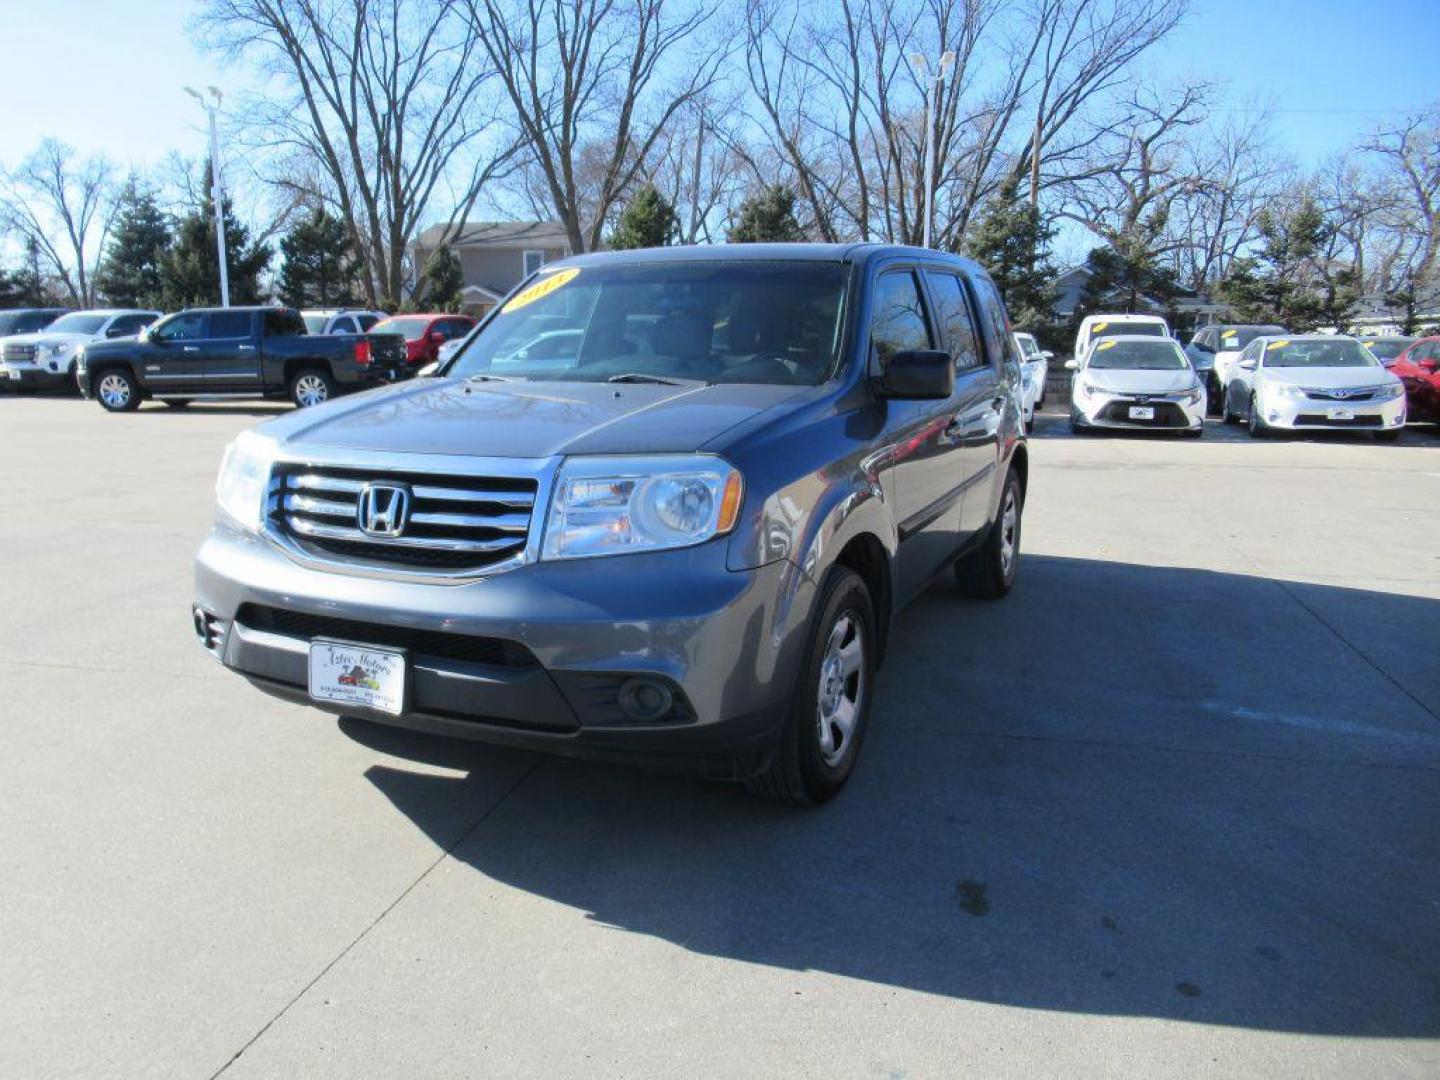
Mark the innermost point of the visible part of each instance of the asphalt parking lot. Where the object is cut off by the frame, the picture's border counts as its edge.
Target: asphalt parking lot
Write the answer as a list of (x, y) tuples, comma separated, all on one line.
[(1173, 809)]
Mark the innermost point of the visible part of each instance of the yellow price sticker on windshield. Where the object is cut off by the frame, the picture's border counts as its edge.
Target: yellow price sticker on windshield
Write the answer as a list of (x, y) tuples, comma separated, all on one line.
[(1276, 345), (541, 289), (1230, 334), (1105, 345), (1098, 327)]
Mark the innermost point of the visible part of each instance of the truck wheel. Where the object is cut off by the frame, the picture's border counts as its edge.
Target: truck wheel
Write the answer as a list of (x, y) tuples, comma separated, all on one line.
[(989, 573), (311, 386), (116, 391), (831, 704)]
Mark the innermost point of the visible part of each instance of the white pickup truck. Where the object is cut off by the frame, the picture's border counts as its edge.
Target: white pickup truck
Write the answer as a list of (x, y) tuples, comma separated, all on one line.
[(46, 358)]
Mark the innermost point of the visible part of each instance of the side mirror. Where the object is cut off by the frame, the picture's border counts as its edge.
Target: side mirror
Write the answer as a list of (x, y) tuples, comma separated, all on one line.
[(918, 375), (1045, 354), (1247, 365), (1072, 364)]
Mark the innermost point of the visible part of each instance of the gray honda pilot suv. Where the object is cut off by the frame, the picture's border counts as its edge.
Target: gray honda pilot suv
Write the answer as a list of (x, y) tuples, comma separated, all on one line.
[(662, 506)]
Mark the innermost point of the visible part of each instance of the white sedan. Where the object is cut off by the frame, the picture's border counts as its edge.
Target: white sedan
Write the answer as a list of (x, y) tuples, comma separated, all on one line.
[(1313, 382), (1136, 382)]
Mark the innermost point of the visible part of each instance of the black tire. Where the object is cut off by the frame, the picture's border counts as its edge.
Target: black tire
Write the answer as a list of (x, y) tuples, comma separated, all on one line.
[(1258, 430), (1194, 433), (311, 386), (1388, 436), (177, 403), (1076, 427), (116, 390), (800, 773), (1029, 425), (1226, 416), (990, 572)]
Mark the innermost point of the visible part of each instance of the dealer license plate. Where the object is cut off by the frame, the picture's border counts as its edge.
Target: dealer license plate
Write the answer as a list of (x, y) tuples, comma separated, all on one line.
[(358, 675), (1340, 414), (1142, 412)]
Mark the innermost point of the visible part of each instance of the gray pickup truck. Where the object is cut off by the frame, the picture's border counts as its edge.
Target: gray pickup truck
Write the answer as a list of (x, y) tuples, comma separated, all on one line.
[(677, 534), (236, 352)]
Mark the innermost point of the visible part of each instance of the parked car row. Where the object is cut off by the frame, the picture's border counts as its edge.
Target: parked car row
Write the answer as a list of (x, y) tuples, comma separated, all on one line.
[(122, 357)]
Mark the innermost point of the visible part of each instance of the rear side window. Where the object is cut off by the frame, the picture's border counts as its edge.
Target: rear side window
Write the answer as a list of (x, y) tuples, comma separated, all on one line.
[(367, 321), (344, 325), (284, 323), (897, 322), (957, 323), (994, 322), (229, 324)]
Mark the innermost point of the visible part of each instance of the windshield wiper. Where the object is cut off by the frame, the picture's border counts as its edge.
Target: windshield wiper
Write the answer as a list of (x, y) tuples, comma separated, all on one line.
[(642, 377), (481, 376)]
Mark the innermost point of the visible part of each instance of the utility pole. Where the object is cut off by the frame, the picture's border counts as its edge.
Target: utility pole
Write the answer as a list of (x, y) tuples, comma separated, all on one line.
[(932, 112), (217, 189)]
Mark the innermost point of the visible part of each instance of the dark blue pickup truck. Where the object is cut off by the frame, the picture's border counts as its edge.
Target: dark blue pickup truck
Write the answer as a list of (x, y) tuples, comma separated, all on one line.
[(236, 352)]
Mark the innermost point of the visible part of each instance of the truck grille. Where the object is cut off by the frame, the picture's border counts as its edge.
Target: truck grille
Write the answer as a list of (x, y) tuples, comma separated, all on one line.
[(450, 522), (21, 353)]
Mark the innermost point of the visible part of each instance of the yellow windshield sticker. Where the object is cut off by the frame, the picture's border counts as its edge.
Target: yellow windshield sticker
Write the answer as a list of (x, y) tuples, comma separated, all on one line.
[(1104, 345), (1276, 345), (1098, 327), (1229, 334), (542, 288)]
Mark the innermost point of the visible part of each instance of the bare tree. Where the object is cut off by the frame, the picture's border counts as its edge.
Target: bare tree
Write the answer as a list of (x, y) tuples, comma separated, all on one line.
[(387, 97), (587, 84), (1405, 239), (63, 207)]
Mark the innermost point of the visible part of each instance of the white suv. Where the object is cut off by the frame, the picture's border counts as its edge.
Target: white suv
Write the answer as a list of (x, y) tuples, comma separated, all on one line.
[(47, 357), (1096, 327), (337, 321)]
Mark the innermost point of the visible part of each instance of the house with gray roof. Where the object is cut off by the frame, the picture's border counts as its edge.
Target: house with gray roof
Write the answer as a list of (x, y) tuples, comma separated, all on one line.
[(495, 256)]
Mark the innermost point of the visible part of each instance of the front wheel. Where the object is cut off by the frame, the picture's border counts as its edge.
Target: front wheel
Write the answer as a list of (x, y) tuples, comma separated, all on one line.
[(831, 705), (116, 391), (989, 573), (311, 386), (1258, 430)]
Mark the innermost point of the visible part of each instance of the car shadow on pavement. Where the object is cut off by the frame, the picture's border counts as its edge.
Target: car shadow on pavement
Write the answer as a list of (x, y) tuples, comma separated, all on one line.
[(1127, 791), (1056, 425)]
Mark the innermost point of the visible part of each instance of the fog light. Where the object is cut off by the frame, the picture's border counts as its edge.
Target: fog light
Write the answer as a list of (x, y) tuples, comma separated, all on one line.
[(645, 700), (202, 628)]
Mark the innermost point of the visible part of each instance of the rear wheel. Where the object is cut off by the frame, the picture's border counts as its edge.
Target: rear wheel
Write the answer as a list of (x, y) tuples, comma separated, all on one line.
[(831, 705), (311, 386), (989, 573), (116, 391)]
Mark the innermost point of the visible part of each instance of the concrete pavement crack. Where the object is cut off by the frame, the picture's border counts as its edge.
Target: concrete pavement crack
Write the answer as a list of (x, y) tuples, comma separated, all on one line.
[(504, 797)]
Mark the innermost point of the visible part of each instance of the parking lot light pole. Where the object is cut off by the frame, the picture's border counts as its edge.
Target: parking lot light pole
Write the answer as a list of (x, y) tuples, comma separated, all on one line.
[(217, 190), (932, 110)]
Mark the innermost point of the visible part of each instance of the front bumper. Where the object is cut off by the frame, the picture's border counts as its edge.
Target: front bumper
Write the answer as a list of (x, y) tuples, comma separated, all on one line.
[(535, 656), (1307, 414), (1169, 412), (22, 374)]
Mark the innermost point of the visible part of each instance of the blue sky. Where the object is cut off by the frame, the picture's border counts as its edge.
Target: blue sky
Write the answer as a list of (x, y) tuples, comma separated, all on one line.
[(107, 76)]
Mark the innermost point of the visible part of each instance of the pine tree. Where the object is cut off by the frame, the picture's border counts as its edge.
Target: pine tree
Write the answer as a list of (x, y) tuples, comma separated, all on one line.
[(191, 273), (1288, 281), (33, 289), (441, 280), (320, 263), (647, 221), (767, 216), (1124, 279), (1012, 241), (131, 273)]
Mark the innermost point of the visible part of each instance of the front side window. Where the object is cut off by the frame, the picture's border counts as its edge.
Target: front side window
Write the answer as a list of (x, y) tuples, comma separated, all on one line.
[(957, 324), (1138, 356), (897, 322), (720, 322), (126, 325), (186, 326), (230, 324)]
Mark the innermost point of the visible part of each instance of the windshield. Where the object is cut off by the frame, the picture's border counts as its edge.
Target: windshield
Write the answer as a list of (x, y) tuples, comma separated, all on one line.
[(410, 329), (78, 323), (24, 322), (315, 324), (1138, 356), (1126, 329), (1339, 353), (1235, 338), (732, 322), (1388, 348)]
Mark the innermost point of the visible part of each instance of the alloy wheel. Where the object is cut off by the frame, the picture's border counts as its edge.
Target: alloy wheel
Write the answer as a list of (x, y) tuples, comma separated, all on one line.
[(311, 390), (114, 391), (1009, 525), (841, 690)]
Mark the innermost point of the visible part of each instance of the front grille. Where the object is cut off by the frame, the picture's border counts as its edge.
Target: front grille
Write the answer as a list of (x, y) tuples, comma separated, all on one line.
[(22, 353), (1321, 419), (499, 652), (454, 522), (1167, 414), (1341, 395)]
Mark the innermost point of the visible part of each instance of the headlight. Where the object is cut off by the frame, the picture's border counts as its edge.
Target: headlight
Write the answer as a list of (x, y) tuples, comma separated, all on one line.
[(1389, 391), (1287, 390), (1192, 397), (616, 505), (1089, 389), (56, 349), (244, 476)]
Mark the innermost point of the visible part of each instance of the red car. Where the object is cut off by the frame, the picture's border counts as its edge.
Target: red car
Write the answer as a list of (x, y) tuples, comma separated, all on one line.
[(424, 334), (1416, 367)]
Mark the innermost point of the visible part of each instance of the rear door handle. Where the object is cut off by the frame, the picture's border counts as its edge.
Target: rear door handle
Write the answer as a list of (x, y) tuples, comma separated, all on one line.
[(247, 348), (191, 348)]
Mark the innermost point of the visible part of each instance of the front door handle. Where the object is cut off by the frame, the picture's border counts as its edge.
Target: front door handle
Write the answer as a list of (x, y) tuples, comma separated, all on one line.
[(953, 432), (247, 348), (192, 348)]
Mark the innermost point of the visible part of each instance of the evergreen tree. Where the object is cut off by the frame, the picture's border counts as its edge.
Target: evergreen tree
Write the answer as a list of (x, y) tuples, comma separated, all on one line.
[(320, 263), (647, 221), (11, 294), (191, 274), (32, 288), (1124, 279), (441, 280), (131, 273), (767, 216), (1288, 281), (1012, 241)]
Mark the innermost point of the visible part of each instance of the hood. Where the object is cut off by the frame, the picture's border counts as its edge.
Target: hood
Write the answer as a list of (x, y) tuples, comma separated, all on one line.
[(45, 337), (528, 419), (1329, 378), (1129, 381)]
